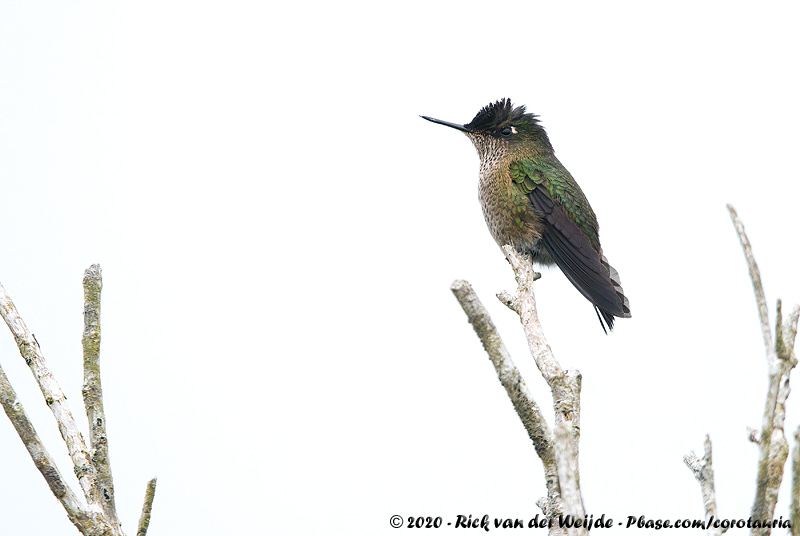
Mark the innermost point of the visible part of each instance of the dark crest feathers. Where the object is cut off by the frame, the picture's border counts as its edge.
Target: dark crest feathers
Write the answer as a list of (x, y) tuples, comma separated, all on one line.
[(502, 112)]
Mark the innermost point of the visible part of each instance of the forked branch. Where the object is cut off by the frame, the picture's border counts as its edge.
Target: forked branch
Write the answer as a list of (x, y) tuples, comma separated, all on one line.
[(558, 449), (98, 516), (771, 439)]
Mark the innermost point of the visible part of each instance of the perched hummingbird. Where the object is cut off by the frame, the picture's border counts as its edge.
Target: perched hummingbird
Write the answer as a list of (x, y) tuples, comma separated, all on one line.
[(531, 202)]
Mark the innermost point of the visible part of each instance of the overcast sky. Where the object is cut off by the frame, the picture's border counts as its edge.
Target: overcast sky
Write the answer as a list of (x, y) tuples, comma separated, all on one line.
[(278, 230)]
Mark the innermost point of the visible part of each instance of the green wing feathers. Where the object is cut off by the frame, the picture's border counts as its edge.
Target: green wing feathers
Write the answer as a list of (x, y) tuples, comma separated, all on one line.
[(549, 173), (571, 234)]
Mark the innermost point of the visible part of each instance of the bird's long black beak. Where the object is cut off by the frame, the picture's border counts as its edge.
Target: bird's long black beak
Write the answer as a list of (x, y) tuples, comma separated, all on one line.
[(456, 126)]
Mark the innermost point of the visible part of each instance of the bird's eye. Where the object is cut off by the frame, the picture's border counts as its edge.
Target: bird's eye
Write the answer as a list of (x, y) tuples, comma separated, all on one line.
[(506, 132)]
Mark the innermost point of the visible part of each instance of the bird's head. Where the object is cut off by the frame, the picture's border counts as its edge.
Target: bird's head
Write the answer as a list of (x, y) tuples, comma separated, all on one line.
[(503, 128)]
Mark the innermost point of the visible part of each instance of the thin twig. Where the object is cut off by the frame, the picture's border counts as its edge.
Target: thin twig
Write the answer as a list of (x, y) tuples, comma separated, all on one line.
[(93, 391), (704, 473), (755, 277), (147, 507)]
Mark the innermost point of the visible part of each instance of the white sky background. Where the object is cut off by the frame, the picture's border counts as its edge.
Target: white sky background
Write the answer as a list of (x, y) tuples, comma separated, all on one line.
[(278, 230)]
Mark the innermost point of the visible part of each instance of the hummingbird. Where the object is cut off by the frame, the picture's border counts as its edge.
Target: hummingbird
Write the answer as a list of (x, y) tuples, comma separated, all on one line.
[(531, 202)]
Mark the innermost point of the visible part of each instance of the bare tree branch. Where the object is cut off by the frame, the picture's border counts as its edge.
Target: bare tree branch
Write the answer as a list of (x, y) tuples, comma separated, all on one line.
[(755, 277), (704, 473), (561, 385), (568, 477), (771, 440), (559, 453), (98, 517), (509, 376), (773, 448), (93, 392), (147, 507), (41, 458), (29, 348), (564, 386), (789, 335), (794, 507)]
